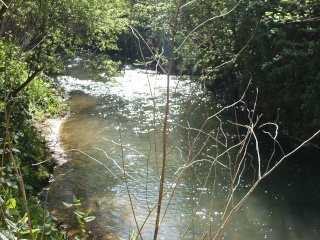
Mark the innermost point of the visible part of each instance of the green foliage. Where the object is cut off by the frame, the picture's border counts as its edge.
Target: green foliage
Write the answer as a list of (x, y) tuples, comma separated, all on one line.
[(150, 21), (93, 26), (208, 40), (131, 237), (44, 101), (35, 102), (282, 57), (37, 35), (51, 30), (14, 220), (102, 67), (21, 148), (82, 217), (274, 43)]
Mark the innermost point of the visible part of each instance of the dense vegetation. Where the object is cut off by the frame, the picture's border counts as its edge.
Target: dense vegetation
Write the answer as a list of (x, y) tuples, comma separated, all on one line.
[(35, 38), (276, 44), (222, 43)]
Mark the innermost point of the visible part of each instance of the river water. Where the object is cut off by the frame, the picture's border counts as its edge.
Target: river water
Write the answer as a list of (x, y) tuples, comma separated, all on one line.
[(118, 124)]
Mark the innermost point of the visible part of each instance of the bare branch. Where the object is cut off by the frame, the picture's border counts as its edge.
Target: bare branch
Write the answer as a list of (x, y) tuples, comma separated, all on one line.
[(203, 23)]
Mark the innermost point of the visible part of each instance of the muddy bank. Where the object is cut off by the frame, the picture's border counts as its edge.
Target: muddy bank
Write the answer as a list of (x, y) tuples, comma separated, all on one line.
[(49, 131)]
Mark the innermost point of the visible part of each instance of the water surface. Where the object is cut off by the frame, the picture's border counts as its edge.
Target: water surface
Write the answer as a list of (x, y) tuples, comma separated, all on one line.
[(118, 124)]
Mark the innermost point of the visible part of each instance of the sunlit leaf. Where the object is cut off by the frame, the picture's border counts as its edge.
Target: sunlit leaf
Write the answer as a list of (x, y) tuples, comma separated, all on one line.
[(132, 235), (89, 218), (67, 204), (11, 203), (7, 235), (75, 199), (79, 213), (28, 231)]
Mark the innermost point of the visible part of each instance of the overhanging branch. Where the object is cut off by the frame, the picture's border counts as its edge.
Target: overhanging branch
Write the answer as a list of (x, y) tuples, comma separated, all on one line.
[(28, 81)]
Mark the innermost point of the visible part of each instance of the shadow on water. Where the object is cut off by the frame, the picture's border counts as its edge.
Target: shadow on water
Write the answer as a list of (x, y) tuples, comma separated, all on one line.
[(285, 205)]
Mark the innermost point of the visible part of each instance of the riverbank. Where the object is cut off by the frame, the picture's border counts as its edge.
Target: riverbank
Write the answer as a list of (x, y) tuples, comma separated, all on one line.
[(49, 131)]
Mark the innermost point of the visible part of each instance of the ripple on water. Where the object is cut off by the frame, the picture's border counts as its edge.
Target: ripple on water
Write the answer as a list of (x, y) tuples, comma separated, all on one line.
[(131, 99)]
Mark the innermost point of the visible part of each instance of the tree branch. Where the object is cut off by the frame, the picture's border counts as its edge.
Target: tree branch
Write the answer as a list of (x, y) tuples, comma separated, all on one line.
[(28, 81)]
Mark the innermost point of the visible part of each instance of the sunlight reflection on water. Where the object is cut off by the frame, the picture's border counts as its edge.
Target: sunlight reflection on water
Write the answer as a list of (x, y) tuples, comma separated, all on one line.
[(94, 129)]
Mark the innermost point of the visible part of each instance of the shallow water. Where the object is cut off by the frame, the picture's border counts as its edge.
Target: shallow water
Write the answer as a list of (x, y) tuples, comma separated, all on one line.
[(118, 124)]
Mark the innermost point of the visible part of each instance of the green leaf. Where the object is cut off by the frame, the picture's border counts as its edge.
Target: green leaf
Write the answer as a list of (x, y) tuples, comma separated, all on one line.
[(24, 219), (6, 235), (67, 204), (75, 199), (12, 224), (1, 200), (47, 228), (79, 220), (132, 235), (90, 218), (3, 237), (28, 231), (28, 187), (79, 213), (11, 203)]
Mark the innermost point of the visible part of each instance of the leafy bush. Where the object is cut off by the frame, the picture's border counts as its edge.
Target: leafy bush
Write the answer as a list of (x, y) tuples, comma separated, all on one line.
[(21, 148)]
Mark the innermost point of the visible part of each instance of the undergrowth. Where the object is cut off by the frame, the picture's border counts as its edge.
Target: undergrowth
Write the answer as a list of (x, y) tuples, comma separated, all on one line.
[(21, 214)]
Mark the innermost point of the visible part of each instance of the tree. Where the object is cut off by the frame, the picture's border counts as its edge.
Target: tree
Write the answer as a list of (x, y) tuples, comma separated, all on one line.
[(274, 42), (33, 35), (47, 29)]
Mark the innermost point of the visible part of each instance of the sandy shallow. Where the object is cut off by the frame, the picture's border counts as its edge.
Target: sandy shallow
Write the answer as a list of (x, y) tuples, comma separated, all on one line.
[(49, 131)]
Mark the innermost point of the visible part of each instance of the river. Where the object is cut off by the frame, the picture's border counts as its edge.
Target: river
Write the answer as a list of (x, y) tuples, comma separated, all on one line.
[(118, 124)]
